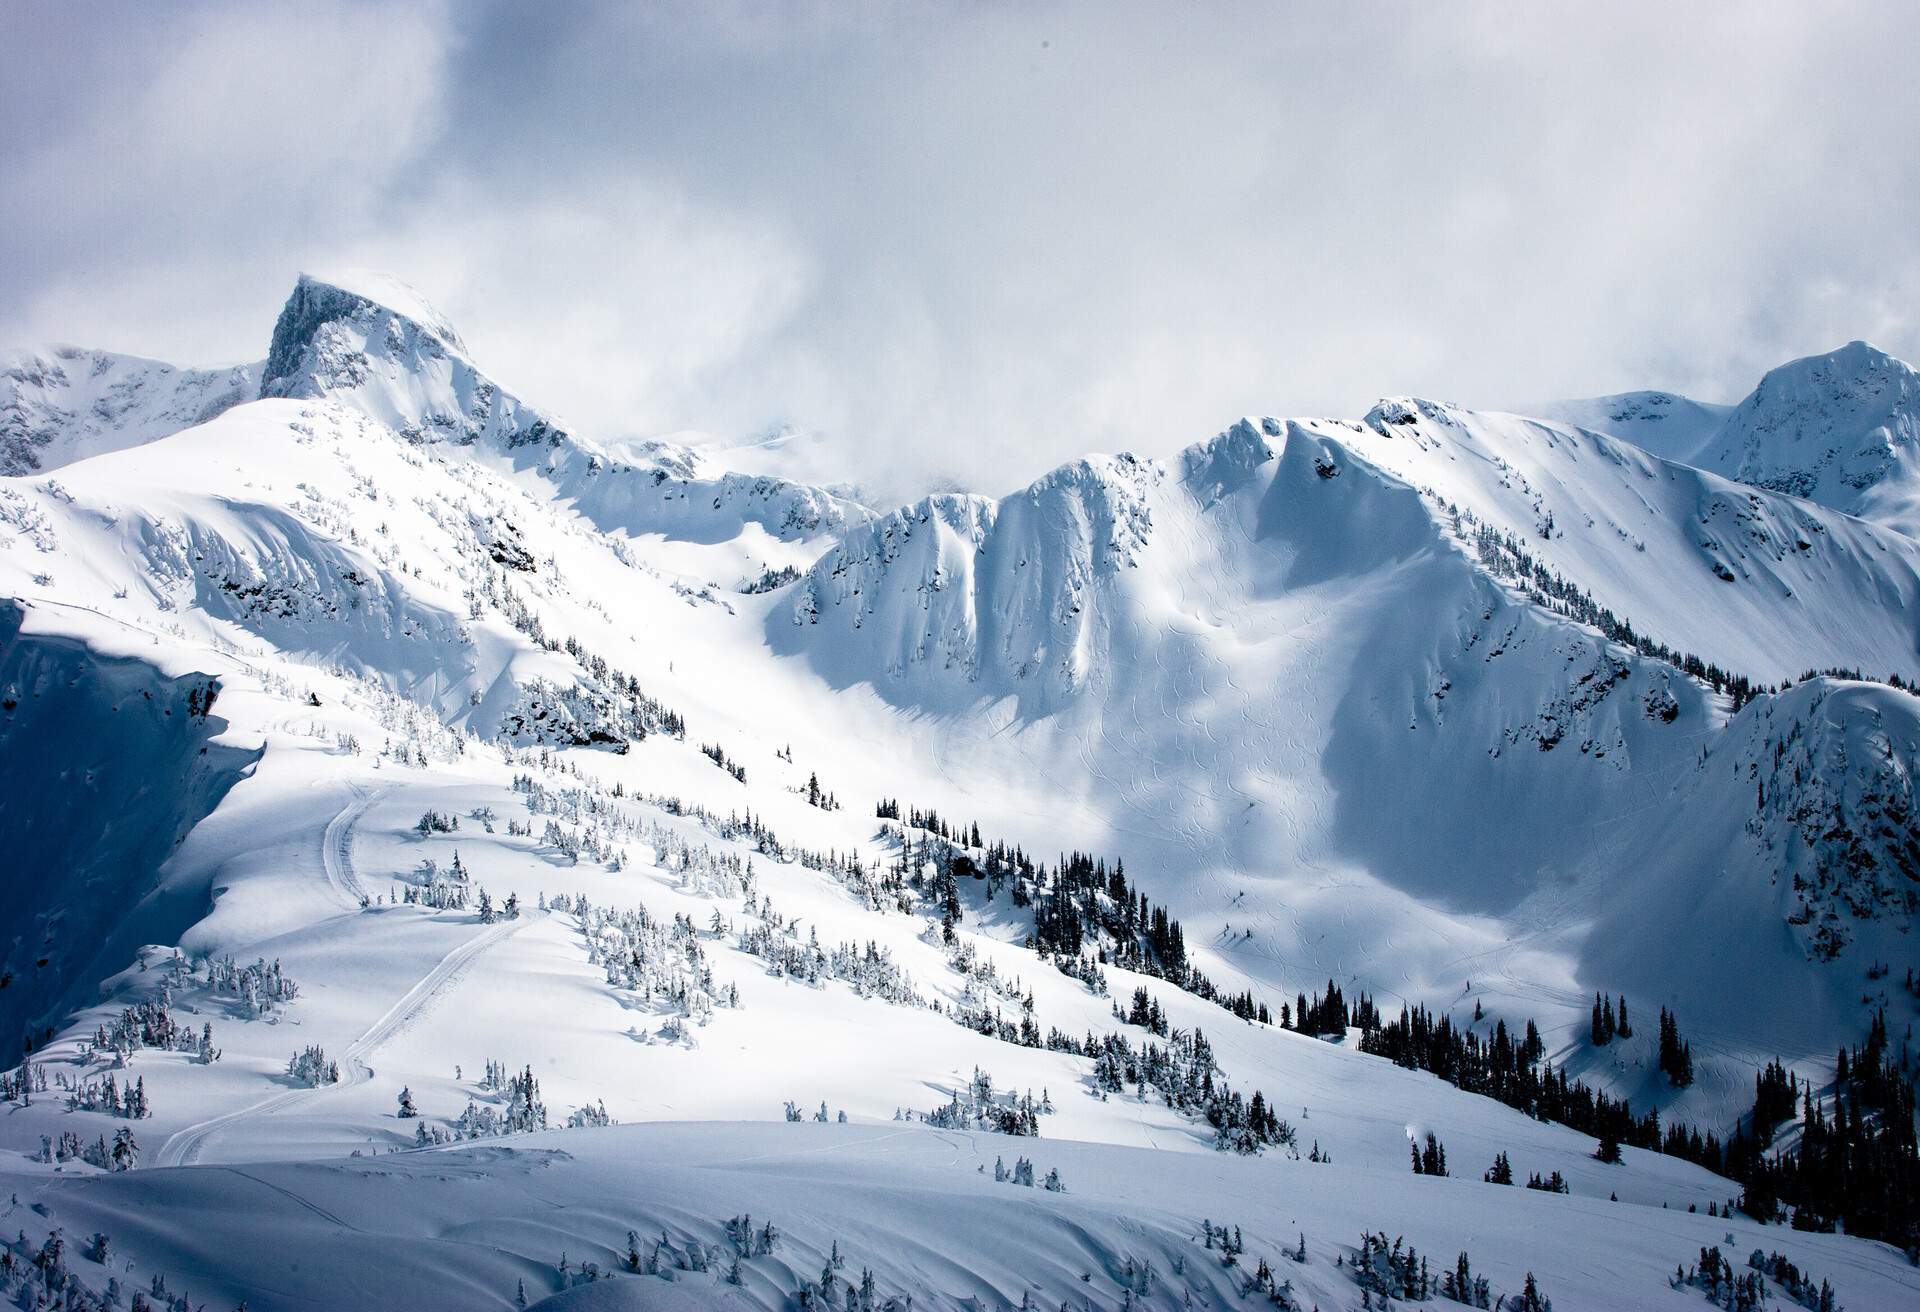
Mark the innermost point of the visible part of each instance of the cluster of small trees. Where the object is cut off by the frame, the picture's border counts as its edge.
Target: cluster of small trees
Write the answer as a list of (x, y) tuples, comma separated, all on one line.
[(770, 580), (1391, 1269), (1081, 904), (20, 1085), (879, 890), (103, 1095), (524, 1112), (633, 712), (435, 822), (261, 987), (664, 963), (818, 796), (1396, 1270), (605, 706), (1021, 1173), (1461, 1285), (312, 1067), (1606, 1023), (517, 1109), (869, 968), (1431, 1160), (152, 1025), (41, 1277), (1516, 1073), (715, 753), (981, 1107), (1328, 1013), (1857, 1160), (1746, 1291), (123, 1154)]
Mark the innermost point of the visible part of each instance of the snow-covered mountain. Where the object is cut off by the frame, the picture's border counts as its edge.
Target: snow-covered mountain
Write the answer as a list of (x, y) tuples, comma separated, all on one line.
[(64, 404), (398, 771), (1246, 654), (367, 341), (1842, 429)]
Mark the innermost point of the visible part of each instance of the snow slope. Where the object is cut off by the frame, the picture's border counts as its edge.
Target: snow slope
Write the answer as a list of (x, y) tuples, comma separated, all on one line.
[(917, 1208), (1669, 425), (1299, 678)]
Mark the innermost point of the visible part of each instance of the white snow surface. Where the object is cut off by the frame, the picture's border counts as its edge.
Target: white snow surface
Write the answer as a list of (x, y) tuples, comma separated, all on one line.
[(1276, 675), (1671, 426)]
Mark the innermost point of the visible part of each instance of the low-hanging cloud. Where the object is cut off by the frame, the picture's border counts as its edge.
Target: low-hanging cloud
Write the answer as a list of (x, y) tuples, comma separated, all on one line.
[(956, 244)]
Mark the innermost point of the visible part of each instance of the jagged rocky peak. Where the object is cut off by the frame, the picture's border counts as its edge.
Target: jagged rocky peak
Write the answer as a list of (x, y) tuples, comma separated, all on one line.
[(371, 339), (326, 309), (1842, 429)]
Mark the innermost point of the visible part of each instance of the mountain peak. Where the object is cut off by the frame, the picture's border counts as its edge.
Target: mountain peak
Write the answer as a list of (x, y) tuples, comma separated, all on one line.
[(1841, 428), (334, 323), (371, 338), (386, 292)]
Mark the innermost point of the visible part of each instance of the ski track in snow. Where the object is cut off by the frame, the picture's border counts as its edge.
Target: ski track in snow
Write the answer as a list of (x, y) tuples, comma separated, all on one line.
[(185, 1146), (336, 845)]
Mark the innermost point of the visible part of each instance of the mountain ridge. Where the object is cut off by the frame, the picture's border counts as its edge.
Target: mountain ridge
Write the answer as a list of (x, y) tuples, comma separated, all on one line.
[(1357, 705)]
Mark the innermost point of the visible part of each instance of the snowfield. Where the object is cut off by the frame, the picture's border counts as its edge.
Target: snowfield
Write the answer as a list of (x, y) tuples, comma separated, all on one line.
[(461, 843)]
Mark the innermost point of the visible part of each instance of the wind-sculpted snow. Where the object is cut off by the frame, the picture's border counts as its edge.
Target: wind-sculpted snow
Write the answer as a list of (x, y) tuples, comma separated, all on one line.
[(65, 404), (891, 1213), (1842, 429)]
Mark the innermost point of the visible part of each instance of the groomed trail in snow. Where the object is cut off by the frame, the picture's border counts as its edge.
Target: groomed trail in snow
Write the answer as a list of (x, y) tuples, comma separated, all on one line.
[(590, 741), (185, 1146), (336, 853)]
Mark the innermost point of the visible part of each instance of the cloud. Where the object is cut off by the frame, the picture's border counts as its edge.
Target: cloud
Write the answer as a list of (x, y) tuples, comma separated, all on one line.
[(961, 243), (169, 163)]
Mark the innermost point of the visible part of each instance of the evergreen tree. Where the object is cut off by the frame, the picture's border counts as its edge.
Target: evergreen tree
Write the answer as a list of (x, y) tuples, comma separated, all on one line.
[(1531, 1299), (1676, 1056)]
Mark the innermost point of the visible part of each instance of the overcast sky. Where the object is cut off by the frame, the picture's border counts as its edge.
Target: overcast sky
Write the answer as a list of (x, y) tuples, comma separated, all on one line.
[(961, 243)]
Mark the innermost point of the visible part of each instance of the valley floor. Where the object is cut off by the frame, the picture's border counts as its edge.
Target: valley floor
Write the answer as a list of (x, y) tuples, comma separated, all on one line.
[(918, 1207)]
